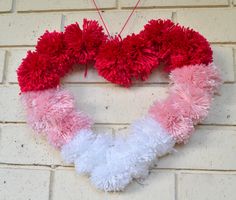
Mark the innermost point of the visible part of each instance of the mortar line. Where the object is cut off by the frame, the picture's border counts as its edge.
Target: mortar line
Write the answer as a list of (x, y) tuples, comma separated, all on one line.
[(63, 18), (13, 7), (176, 170), (177, 7), (174, 17), (5, 67), (59, 11), (176, 186), (51, 183), (125, 124), (234, 62)]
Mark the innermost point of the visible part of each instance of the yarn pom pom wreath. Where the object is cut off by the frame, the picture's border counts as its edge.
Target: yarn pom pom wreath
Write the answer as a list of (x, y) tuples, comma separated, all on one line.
[(112, 162)]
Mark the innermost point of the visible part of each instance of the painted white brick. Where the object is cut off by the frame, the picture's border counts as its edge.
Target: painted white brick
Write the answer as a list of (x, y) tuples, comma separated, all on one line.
[(223, 58), (24, 29), (206, 186), (11, 108), (22, 184), (217, 25), (15, 57), (209, 148), (68, 185), (113, 104), (5, 5), (49, 5), (2, 64), (173, 3), (20, 145), (223, 110), (116, 19)]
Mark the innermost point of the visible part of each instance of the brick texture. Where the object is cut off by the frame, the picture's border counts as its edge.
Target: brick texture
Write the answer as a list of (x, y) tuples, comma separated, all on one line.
[(174, 3), (207, 186), (5, 5), (22, 184), (24, 29), (50, 5), (217, 25), (68, 185), (203, 169), (2, 64)]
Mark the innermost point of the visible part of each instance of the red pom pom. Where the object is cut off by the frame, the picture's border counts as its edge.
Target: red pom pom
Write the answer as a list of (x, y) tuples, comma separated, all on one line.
[(177, 46), (52, 45), (37, 73), (139, 56), (110, 63), (83, 45), (119, 60)]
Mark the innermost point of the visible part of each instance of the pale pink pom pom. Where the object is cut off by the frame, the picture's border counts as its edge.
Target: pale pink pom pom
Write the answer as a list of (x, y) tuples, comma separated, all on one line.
[(191, 102), (172, 120), (206, 77), (52, 112), (42, 105)]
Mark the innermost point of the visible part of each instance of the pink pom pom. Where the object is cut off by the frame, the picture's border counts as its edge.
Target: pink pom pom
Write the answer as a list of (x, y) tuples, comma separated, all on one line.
[(172, 120), (52, 112), (191, 102), (42, 105), (64, 129), (206, 77)]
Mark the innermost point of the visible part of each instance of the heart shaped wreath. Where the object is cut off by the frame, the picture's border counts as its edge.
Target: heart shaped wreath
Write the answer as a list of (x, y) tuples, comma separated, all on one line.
[(113, 162)]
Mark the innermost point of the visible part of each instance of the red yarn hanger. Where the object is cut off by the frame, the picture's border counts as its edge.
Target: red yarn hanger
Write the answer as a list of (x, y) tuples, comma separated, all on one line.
[(126, 22)]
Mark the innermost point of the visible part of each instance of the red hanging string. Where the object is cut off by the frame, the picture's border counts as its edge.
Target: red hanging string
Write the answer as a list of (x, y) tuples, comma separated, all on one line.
[(136, 5), (98, 10)]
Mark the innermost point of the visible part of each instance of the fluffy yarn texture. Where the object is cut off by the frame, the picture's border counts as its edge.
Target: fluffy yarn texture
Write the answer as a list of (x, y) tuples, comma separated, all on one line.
[(83, 45), (119, 60), (111, 162), (52, 112), (206, 77), (36, 72), (175, 45), (191, 93)]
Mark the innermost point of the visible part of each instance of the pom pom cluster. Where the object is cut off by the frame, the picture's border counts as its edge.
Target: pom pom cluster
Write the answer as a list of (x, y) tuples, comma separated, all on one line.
[(57, 52), (53, 113), (189, 101), (117, 60)]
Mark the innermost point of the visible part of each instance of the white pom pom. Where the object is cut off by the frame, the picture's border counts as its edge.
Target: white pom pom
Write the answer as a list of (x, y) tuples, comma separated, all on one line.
[(133, 157), (78, 145), (113, 164), (109, 178), (95, 155), (153, 136)]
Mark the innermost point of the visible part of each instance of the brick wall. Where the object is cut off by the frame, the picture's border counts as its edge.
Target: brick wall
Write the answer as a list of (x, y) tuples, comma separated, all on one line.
[(203, 169)]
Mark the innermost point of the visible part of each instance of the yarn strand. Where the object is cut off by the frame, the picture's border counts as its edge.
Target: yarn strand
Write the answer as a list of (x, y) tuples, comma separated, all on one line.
[(126, 22), (100, 15)]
